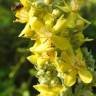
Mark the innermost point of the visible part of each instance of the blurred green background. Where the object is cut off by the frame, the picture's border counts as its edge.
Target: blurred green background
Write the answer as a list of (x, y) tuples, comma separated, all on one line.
[(16, 73)]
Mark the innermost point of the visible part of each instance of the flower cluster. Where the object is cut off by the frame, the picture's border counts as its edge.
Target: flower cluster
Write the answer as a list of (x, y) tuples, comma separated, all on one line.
[(57, 29)]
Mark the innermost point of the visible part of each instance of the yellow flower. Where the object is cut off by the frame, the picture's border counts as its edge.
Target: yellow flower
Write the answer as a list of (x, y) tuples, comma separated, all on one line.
[(22, 15), (59, 26), (53, 27), (49, 20), (61, 42), (71, 20), (33, 58), (32, 12), (26, 3), (35, 24), (38, 59), (46, 90), (40, 47), (85, 75), (26, 32), (72, 68), (70, 77)]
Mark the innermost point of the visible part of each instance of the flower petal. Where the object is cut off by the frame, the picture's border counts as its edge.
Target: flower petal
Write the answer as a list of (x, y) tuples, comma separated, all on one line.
[(25, 3), (70, 79), (85, 75), (33, 58), (41, 61), (26, 32), (35, 24), (38, 47), (48, 91), (59, 26), (22, 15), (61, 43)]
